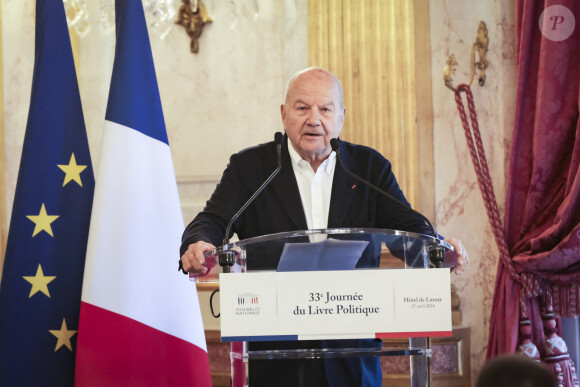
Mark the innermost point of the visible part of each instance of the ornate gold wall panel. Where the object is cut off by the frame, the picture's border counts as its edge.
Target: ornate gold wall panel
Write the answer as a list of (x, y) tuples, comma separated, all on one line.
[(371, 46), (3, 220)]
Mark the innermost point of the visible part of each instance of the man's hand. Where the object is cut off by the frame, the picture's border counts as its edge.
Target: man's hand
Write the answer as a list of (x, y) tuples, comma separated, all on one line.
[(193, 260), (458, 255)]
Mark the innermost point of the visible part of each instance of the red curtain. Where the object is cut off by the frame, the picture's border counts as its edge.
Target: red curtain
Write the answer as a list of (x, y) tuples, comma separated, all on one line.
[(543, 197)]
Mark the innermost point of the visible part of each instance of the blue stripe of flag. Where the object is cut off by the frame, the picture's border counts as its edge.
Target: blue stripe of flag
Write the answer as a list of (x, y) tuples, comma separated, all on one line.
[(228, 339), (134, 99)]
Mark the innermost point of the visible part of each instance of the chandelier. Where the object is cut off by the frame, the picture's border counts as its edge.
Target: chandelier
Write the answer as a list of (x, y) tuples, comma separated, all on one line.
[(160, 15)]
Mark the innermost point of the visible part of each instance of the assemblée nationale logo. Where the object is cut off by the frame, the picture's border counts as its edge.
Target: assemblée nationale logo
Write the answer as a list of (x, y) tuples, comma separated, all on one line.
[(248, 304)]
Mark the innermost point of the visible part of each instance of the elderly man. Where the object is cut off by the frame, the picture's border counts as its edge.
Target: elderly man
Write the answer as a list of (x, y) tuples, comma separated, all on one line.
[(309, 192)]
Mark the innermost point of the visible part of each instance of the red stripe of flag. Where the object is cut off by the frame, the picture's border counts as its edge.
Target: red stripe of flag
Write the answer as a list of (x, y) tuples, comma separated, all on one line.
[(147, 352)]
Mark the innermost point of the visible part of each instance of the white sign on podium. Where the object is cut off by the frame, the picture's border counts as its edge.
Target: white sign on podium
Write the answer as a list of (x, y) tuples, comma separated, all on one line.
[(346, 304)]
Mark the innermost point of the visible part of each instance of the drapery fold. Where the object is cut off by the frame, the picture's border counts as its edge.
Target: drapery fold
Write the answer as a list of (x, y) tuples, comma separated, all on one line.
[(542, 216)]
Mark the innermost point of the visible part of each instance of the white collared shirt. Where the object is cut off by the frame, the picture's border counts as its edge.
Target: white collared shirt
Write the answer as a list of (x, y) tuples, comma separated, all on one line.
[(314, 188)]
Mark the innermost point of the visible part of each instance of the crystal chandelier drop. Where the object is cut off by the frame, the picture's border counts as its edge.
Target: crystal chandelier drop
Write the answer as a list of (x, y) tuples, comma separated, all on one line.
[(77, 16), (160, 15)]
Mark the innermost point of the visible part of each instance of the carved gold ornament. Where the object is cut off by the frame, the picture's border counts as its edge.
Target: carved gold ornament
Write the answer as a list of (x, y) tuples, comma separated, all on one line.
[(478, 60), (193, 17)]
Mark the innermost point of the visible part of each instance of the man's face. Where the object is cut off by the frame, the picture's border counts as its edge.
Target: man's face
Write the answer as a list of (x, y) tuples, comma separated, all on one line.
[(313, 115)]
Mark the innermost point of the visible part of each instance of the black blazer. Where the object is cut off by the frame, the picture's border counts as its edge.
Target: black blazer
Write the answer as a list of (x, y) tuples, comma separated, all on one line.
[(279, 208)]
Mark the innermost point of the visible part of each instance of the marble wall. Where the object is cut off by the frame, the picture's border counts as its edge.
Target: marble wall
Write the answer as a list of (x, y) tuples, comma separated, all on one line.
[(18, 56), (227, 97), (216, 102), (460, 210)]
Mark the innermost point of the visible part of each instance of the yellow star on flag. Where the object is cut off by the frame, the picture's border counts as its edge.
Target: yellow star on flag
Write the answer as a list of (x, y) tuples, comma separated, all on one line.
[(42, 221), (72, 171), (63, 335), (39, 282)]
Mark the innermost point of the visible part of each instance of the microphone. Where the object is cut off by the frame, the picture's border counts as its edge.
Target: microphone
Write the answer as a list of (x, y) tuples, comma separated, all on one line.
[(437, 253), (226, 258)]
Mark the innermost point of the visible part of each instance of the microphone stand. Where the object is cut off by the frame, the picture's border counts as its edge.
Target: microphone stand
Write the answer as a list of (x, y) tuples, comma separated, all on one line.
[(226, 258), (436, 253)]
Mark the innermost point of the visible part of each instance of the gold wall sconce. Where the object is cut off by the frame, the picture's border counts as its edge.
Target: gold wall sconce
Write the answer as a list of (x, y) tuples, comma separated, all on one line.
[(193, 17), (478, 60)]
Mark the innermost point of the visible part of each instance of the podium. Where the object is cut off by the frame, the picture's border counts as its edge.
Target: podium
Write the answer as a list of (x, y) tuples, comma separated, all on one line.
[(329, 285)]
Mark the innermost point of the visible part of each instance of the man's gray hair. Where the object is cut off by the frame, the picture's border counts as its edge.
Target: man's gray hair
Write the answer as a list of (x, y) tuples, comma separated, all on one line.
[(316, 69)]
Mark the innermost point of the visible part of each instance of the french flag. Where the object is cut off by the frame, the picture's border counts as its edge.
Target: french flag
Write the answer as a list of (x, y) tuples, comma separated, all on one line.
[(140, 321)]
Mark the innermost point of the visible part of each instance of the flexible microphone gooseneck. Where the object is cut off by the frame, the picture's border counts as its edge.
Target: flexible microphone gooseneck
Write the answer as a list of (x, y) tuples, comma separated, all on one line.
[(437, 253), (226, 258)]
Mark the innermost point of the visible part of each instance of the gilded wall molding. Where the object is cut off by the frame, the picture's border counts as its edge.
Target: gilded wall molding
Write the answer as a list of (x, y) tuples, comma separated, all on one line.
[(3, 220), (374, 48)]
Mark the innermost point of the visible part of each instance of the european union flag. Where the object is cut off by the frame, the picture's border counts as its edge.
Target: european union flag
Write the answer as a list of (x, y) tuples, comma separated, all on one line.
[(41, 285)]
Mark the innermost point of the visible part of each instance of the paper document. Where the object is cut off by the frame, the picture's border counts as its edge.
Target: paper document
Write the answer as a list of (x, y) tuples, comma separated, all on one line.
[(329, 254)]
